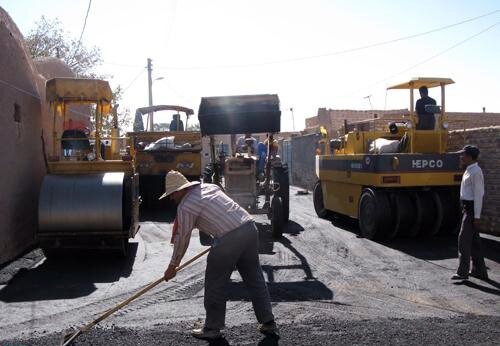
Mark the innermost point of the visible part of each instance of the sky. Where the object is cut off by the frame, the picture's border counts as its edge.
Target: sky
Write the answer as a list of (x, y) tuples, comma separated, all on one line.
[(296, 49)]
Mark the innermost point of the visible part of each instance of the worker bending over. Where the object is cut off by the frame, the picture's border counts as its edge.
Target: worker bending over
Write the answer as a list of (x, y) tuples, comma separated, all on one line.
[(236, 244)]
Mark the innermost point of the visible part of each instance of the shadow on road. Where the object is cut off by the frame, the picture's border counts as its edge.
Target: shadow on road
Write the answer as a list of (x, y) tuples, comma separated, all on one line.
[(307, 289), (435, 248), (67, 276), (483, 288)]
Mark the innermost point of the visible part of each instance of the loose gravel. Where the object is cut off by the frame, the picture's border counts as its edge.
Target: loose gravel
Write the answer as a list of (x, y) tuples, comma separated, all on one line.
[(463, 330)]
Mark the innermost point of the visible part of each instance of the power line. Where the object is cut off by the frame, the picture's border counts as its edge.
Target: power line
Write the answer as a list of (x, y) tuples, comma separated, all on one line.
[(133, 80), (318, 56), (83, 29), (345, 51), (428, 59)]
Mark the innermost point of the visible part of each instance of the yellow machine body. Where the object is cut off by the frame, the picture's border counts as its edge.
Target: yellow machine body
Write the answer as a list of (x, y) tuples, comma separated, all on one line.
[(421, 177), (86, 201)]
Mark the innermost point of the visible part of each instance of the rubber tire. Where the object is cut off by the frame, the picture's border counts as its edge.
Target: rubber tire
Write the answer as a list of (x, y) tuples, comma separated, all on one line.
[(319, 205), (403, 213), (277, 216), (451, 212), (418, 212), (374, 214), (432, 213), (280, 175)]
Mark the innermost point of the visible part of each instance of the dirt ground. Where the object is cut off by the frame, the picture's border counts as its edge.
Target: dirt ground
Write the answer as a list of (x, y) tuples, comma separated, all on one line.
[(327, 286)]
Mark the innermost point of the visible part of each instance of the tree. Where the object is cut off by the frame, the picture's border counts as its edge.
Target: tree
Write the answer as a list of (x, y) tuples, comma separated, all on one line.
[(48, 39)]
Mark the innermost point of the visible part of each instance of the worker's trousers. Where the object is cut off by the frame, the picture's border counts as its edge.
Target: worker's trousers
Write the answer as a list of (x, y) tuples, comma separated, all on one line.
[(237, 249), (469, 243)]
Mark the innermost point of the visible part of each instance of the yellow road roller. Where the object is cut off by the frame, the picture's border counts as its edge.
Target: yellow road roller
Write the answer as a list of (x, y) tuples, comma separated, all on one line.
[(87, 200), (394, 178)]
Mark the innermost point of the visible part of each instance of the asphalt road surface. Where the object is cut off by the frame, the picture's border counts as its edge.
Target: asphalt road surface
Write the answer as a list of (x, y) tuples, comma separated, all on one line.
[(328, 286)]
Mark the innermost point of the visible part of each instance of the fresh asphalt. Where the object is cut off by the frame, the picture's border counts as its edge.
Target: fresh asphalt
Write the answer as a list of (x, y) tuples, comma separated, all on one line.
[(328, 286)]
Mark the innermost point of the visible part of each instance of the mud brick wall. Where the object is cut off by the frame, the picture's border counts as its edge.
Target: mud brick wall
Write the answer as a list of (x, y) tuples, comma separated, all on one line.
[(487, 140)]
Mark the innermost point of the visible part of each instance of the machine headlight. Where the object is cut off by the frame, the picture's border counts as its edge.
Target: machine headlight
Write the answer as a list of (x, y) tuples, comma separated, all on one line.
[(185, 165), (446, 125), (409, 125)]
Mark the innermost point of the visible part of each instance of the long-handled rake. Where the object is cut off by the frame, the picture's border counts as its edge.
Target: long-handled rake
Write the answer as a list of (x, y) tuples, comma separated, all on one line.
[(68, 338)]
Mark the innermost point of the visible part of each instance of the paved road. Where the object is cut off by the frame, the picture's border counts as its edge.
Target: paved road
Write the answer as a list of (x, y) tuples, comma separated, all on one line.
[(320, 274)]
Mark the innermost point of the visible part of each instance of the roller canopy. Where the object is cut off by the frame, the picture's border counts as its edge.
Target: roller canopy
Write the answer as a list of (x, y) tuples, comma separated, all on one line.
[(78, 90), (144, 110), (239, 114), (417, 82)]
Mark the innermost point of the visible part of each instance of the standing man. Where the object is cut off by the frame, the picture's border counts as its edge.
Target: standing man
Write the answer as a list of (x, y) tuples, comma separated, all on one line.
[(471, 195), (206, 207), (426, 120)]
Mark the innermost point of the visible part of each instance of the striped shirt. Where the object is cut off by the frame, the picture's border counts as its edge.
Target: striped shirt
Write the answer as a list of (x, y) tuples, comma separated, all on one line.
[(207, 208)]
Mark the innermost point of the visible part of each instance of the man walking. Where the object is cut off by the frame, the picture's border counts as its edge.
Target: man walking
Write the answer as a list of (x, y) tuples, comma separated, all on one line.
[(208, 208), (471, 195)]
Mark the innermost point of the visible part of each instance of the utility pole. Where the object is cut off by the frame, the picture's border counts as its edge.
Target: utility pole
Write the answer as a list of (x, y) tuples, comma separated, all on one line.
[(150, 92), (369, 100)]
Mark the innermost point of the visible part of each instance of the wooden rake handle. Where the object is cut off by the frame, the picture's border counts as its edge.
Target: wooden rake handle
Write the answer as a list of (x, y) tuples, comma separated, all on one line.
[(135, 296)]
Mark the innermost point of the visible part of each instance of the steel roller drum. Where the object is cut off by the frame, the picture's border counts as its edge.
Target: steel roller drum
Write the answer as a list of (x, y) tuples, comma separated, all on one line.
[(91, 202)]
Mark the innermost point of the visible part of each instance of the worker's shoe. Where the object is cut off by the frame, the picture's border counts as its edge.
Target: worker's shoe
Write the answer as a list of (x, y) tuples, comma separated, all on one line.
[(479, 275), (206, 333), (460, 277), (268, 328)]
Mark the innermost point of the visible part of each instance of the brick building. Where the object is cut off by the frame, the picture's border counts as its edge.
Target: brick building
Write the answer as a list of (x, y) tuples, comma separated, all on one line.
[(333, 119)]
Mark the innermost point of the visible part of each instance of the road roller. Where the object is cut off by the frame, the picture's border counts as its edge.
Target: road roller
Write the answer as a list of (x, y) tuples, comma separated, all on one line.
[(89, 197), (157, 151), (395, 179)]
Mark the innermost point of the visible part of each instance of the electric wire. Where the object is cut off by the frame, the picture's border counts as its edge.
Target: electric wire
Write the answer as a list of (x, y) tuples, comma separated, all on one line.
[(133, 80), (425, 60), (83, 29), (341, 52), (318, 56)]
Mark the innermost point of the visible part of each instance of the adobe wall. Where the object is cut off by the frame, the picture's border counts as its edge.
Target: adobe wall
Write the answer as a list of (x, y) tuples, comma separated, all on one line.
[(20, 129)]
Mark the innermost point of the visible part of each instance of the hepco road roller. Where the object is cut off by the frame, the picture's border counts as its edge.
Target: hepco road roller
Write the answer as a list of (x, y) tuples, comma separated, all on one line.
[(89, 197), (396, 180)]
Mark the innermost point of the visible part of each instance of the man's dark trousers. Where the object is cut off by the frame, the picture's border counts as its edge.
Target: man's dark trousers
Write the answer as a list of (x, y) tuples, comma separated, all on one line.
[(469, 243)]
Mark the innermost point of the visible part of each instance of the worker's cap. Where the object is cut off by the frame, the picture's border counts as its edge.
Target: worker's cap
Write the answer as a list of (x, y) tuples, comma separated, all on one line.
[(175, 181), (470, 150)]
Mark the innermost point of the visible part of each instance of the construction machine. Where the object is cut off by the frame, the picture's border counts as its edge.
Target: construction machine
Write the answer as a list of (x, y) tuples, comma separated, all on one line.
[(394, 179), (265, 192), (88, 199), (158, 149)]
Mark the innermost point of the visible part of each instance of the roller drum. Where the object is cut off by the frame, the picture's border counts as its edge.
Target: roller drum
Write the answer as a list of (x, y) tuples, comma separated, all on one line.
[(81, 203)]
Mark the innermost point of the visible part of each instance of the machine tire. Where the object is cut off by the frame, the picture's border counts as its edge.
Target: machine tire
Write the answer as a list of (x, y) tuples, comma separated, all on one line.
[(418, 212), (403, 213), (432, 213), (319, 205), (451, 212), (277, 216), (280, 175), (374, 214)]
